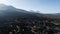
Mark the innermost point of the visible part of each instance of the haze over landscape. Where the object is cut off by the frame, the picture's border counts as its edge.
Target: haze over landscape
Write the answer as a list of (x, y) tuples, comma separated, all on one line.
[(44, 6)]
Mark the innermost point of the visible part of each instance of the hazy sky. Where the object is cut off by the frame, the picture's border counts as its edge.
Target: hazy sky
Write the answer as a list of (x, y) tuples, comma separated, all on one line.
[(44, 6)]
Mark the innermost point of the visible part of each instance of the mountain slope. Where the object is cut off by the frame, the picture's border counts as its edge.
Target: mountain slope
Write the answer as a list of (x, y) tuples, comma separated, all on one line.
[(18, 21)]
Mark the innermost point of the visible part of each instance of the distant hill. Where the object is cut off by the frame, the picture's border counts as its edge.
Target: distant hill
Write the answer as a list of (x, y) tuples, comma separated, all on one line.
[(10, 12)]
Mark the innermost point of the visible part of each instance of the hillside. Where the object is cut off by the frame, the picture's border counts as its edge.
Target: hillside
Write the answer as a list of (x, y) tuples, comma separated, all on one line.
[(18, 21)]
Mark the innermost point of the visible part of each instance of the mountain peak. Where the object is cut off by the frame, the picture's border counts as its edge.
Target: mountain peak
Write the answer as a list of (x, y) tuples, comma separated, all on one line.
[(5, 7)]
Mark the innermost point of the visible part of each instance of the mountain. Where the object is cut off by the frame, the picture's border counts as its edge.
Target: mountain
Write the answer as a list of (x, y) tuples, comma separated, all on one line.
[(9, 12), (5, 9), (19, 21)]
